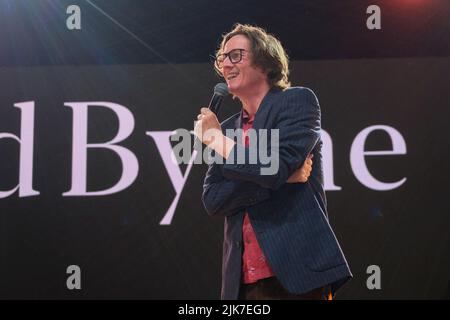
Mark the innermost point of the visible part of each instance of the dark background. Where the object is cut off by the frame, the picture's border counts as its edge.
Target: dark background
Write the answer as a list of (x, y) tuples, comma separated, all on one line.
[(153, 57)]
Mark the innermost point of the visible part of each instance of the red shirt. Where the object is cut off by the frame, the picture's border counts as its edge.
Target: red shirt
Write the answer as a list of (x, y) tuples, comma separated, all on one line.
[(254, 264)]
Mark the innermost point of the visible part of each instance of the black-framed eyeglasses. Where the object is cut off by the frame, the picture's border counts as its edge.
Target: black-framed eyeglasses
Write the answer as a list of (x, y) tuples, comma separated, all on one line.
[(234, 55)]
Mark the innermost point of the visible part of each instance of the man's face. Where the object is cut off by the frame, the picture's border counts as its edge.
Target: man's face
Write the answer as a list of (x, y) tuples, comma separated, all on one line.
[(242, 77)]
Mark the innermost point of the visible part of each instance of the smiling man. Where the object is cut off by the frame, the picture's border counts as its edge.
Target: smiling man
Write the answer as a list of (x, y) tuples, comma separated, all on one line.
[(278, 243)]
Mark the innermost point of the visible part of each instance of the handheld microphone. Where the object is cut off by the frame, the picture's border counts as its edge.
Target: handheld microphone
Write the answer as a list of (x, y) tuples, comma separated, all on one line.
[(220, 92)]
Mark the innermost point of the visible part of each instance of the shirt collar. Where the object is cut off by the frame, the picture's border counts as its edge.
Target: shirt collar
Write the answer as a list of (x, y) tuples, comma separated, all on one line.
[(246, 118)]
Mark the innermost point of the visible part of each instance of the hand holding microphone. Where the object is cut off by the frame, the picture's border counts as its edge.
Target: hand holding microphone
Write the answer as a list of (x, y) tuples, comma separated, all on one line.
[(208, 126)]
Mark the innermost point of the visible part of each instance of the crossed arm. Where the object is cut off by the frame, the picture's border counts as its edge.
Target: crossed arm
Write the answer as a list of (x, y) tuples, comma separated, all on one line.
[(222, 196)]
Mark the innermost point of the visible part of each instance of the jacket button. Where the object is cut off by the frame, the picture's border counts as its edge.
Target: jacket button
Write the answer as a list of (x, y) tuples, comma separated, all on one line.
[(238, 244)]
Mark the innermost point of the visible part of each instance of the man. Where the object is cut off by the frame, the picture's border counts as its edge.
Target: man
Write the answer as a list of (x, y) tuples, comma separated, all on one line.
[(278, 243)]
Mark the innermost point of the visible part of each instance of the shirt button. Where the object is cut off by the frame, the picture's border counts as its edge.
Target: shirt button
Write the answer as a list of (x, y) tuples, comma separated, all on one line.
[(238, 244)]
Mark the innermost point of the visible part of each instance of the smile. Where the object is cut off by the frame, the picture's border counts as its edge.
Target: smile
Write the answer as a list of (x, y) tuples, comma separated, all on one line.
[(232, 76)]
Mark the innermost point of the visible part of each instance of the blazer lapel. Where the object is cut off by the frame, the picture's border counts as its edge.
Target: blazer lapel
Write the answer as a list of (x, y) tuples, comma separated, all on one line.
[(238, 121), (263, 111)]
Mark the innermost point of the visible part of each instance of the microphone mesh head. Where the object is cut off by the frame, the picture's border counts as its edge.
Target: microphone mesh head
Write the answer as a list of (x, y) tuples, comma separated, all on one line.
[(221, 89)]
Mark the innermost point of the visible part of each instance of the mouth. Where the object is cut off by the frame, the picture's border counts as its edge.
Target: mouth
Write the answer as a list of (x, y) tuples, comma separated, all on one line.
[(232, 75)]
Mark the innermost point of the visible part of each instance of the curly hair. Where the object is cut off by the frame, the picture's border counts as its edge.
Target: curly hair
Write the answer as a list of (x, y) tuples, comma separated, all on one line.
[(267, 51)]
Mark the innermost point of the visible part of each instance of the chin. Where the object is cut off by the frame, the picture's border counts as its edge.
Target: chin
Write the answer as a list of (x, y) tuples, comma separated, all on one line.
[(232, 88)]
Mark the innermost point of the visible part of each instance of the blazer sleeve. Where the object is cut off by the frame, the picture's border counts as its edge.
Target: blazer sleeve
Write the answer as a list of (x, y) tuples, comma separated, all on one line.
[(223, 197), (298, 122)]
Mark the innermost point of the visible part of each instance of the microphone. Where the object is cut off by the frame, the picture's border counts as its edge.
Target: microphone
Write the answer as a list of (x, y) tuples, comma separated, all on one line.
[(220, 92)]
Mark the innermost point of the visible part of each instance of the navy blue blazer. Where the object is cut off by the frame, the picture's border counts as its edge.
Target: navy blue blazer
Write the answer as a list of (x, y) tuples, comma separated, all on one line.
[(289, 219)]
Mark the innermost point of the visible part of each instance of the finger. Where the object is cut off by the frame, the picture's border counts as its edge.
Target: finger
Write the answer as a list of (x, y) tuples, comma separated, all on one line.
[(199, 116), (205, 111)]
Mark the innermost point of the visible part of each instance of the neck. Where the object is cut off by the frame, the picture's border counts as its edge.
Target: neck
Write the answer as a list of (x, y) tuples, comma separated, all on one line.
[(252, 102)]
